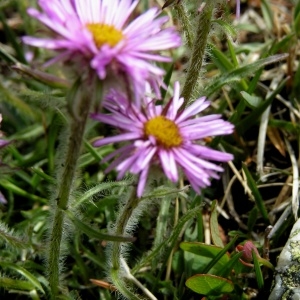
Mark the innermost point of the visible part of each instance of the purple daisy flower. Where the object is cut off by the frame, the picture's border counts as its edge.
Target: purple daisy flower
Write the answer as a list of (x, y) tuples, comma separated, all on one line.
[(97, 32), (164, 135)]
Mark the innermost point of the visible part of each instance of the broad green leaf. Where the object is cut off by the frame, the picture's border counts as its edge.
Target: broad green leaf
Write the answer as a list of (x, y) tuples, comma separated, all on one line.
[(214, 226), (200, 255), (30, 277), (209, 285), (252, 101)]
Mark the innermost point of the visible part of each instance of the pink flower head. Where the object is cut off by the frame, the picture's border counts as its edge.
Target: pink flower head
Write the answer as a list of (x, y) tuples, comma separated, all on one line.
[(97, 32), (163, 135)]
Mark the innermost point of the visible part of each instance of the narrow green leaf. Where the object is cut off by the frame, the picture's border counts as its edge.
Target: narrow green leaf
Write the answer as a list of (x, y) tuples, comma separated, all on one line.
[(46, 78), (220, 59), (286, 125), (15, 101), (252, 218), (214, 226), (13, 39), (268, 14), (11, 238), (256, 194), (14, 284), (30, 277), (170, 242), (253, 117), (219, 255), (241, 72), (209, 285), (93, 233), (258, 273), (228, 28), (17, 190), (252, 101), (101, 187), (229, 266)]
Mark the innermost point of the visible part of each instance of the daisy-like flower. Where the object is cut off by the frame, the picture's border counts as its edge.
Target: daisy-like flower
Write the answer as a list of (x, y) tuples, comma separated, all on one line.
[(164, 135), (97, 33)]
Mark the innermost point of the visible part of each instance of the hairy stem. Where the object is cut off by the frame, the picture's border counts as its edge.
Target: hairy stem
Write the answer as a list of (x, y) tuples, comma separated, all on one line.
[(65, 181), (198, 52), (121, 226), (181, 12)]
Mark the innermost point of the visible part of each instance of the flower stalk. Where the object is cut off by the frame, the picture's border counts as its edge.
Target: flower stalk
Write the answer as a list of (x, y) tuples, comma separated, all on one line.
[(65, 180), (198, 51), (129, 214), (121, 227)]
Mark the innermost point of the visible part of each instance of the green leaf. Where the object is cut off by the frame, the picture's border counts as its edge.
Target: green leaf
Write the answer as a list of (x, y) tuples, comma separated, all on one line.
[(13, 100), (268, 14), (93, 233), (203, 257), (228, 28), (252, 101), (258, 273), (13, 284), (30, 277), (11, 238), (43, 77), (209, 285), (229, 266), (256, 194), (214, 226), (253, 117), (240, 73), (17, 190), (101, 187), (12, 38), (252, 218)]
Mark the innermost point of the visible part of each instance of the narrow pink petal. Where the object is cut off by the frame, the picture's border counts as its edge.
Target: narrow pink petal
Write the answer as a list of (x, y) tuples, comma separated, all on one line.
[(142, 182), (168, 164), (117, 138), (196, 107)]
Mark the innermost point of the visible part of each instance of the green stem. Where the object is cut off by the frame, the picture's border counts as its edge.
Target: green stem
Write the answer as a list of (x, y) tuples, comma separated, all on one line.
[(198, 52), (185, 23), (65, 182), (121, 225), (117, 272)]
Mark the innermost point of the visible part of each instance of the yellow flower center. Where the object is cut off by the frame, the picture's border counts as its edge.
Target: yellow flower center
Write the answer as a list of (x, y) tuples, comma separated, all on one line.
[(105, 34), (165, 131)]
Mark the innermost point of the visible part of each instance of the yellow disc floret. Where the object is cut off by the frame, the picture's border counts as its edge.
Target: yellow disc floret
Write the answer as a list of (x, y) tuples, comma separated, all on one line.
[(165, 131), (105, 34)]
